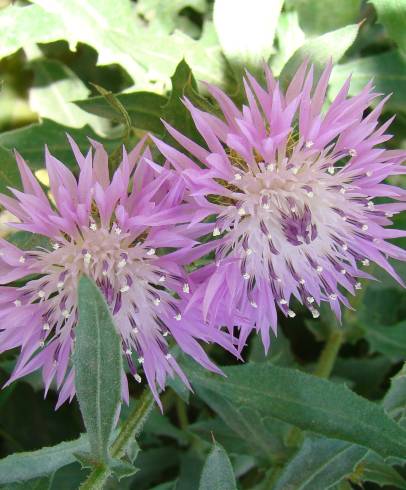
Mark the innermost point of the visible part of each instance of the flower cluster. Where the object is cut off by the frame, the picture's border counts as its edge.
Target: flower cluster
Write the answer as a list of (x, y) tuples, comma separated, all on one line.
[(289, 195)]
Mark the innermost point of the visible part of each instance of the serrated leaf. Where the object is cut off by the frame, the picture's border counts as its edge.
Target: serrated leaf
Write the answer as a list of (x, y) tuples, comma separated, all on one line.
[(27, 465), (319, 50), (31, 140), (388, 71), (320, 463), (320, 16), (374, 469), (144, 109), (392, 14), (98, 367), (111, 27), (217, 471), (310, 403), (122, 469), (246, 30)]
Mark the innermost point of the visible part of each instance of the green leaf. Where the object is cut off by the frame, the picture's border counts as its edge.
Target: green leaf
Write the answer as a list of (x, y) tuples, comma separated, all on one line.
[(98, 367), (30, 141), (246, 30), (392, 14), (43, 483), (54, 88), (320, 463), (289, 36), (390, 340), (144, 109), (217, 471), (122, 469), (27, 465), (28, 241), (9, 174), (374, 469), (395, 398), (320, 50), (388, 71), (310, 403), (320, 16)]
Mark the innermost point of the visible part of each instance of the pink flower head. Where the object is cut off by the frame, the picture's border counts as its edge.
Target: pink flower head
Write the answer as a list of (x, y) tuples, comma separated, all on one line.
[(109, 229), (296, 193)]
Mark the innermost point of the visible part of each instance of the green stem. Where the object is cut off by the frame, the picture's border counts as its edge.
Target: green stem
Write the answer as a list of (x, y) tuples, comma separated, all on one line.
[(131, 427), (329, 354)]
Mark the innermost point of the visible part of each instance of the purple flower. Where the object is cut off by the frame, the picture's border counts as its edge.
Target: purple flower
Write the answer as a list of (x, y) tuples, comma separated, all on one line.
[(109, 230), (296, 191)]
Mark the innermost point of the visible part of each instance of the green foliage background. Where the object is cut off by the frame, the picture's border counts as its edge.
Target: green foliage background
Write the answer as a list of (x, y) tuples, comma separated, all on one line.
[(271, 424)]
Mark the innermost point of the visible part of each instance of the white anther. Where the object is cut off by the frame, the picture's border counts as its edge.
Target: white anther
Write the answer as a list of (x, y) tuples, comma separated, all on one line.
[(283, 302), (41, 343), (162, 279), (345, 247), (309, 144), (352, 152), (128, 352), (41, 293), (310, 194), (125, 288), (365, 262), (17, 302), (310, 299), (216, 231), (117, 231), (315, 313), (389, 215), (87, 257), (248, 251), (22, 260), (156, 301), (241, 211), (135, 330), (65, 314), (104, 273), (319, 268), (151, 251), (46, 327), (293, 210), (60, 285), (364, 227), (376, 240), (166, 333), (141, 360), (266, 206), (302, 281), (178, 317), (269, 236), (122, 264), (237, 176), (343, 271), (55, 246), (368, 174), (186, 288), (358, 285), (168, 356), (331, 170), (342, 190), (253, 304), (93, 226), (246, 276), (333, 297), (295, 170), (344, 218), (270, 167), (137, 378), (291, 314), (278, 279)]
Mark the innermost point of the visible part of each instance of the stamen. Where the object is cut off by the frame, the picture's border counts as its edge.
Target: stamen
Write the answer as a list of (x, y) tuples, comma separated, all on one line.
[(41, 293), (291, 314), (125, 288), (216, 231), (178, 317), (270, 167), (22, 260), (186, 288), (315, 313), (56, 246), (358, 285), (137, 378), (168, 356), (331, 170), (241, 211), (309, 144), (17, 302), (128, 352), (333, 296), (87, 258), (352, 152), (237, 176), (65, 314), (93, 226), (46, 327), (246, 276), (151, 251), (141, 360), (310, 299), (365, 262)]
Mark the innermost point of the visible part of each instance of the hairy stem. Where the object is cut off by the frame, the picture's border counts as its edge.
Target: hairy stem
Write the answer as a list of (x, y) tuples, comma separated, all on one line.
[(130, 428)]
